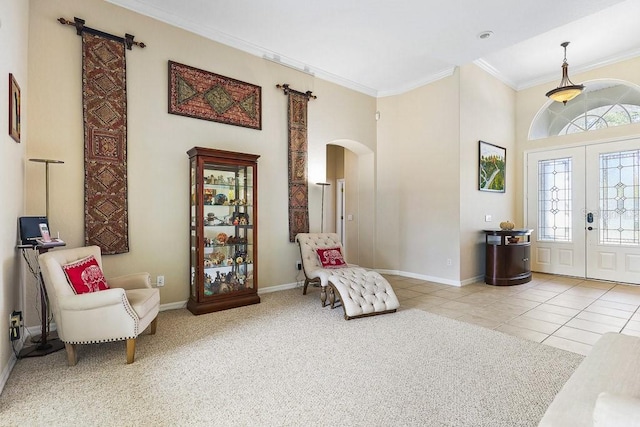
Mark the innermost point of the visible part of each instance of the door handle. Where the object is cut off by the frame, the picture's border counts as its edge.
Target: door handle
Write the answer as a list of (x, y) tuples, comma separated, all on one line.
[(591, 228)]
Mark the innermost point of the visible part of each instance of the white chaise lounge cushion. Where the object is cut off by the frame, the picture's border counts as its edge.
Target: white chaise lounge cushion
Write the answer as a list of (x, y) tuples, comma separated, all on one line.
[(363, 292)]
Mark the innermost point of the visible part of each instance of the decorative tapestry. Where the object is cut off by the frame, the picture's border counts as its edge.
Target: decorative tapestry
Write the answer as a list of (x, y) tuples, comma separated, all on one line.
[(208, 96), (105, 142), (297, 149)]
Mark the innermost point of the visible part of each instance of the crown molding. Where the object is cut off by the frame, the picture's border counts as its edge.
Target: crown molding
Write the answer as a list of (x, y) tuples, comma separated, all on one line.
[(418, 83), (484, 65)]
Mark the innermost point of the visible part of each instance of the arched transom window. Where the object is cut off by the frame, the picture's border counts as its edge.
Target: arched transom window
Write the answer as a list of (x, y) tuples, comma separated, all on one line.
[(602, 104)]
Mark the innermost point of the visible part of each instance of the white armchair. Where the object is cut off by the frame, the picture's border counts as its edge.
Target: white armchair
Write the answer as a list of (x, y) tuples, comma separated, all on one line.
[(119, 313)]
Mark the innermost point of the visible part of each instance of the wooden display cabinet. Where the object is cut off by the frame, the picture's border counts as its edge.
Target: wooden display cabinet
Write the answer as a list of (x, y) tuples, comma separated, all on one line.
[(224, 235), (508, 257)]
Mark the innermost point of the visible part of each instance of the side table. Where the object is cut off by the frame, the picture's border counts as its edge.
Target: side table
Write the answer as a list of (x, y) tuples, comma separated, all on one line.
[(508, 256)]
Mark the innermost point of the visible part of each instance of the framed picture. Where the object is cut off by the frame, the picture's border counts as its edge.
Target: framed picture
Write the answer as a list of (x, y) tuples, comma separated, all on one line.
[(14, 108), (492, 168)]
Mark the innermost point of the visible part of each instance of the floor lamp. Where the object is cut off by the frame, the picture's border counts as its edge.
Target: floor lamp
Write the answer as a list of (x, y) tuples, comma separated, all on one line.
[(46, 179), (322, 184), (45, 345)]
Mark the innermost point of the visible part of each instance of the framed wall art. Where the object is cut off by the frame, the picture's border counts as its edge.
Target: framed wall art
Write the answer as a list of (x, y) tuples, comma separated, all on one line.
[(14, 108), (492, 167)]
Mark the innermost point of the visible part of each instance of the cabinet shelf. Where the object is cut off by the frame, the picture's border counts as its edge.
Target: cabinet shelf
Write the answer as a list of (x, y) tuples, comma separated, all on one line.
[(223, 206)]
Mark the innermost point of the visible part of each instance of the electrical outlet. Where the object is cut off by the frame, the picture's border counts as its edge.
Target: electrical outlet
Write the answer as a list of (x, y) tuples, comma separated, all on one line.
[(160, 281), (15, 321), (298, 265), (448, 261)]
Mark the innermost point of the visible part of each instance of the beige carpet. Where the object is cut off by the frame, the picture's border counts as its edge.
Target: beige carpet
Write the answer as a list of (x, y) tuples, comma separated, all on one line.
[(287, 361)]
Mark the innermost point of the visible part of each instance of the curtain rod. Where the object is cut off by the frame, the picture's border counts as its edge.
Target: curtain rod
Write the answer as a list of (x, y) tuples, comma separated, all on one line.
[(286, 89), (79, 24)]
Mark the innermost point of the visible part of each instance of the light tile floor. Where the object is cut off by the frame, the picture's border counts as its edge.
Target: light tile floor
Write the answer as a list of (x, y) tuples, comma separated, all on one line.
[(563, 312)]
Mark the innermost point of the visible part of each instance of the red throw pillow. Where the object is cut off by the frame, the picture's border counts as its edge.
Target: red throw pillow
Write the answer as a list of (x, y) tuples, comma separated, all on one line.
[(331, 257), (85, 276)]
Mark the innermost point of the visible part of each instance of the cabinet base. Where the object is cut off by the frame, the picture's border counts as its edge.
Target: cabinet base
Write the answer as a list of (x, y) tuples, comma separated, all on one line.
[(518, 280), (222, 304)]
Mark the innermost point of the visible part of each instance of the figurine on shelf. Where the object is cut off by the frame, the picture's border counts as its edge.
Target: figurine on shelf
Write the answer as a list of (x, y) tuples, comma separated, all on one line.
[(208, 289), (221, 238)]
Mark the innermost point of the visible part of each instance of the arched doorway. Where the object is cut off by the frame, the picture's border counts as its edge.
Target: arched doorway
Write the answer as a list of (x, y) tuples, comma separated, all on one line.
[(350, 167)]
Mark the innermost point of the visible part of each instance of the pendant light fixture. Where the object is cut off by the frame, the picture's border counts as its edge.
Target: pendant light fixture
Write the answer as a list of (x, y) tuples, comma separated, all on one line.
[(567, 90)]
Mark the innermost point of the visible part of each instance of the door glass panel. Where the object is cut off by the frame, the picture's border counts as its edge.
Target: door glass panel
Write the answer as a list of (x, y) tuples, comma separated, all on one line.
[(554, 200), (620, 198)]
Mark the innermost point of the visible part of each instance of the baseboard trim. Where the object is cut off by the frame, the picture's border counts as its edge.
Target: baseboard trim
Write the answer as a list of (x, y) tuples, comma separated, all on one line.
[(456, 283), (421, 277), (7, 371)]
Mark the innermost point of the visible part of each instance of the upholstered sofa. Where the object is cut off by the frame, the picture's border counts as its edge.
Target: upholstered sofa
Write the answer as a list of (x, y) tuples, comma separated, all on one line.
[(605, 389)]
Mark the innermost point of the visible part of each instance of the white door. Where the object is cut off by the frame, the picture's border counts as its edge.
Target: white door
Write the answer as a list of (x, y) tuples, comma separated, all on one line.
[(340, 210), (613, 211), (555, 211), (584, 205)]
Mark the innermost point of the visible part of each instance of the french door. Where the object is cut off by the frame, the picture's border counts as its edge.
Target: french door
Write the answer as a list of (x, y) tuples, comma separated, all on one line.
[(584, 205)]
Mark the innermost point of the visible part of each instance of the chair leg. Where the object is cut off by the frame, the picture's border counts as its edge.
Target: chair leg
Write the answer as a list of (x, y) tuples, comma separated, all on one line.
[(306, 283), (131, 350), (154, 325), (332, 296), (72, 354), (323, 295)]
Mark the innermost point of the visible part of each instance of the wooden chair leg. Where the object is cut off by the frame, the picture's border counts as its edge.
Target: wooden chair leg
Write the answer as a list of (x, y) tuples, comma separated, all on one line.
[(131, 350), (323, 295), (72, 354), (332, 296), (306, 283), (154, 325)]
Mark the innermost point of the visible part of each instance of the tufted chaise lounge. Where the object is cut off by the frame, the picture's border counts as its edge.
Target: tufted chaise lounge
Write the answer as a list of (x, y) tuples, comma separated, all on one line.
[(362, 292)]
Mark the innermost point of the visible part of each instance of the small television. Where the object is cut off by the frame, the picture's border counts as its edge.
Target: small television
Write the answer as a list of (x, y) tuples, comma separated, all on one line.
[(29, 229)]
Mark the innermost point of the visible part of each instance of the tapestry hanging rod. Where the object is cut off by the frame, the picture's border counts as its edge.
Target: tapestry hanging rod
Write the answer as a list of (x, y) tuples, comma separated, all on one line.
[(79, 24), (286, 89)]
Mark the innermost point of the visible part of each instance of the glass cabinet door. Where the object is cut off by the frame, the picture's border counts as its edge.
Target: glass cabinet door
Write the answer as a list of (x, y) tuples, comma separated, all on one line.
[(228, 237), (223, 234)]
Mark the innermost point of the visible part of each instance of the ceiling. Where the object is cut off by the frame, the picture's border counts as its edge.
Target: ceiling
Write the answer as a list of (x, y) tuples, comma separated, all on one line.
[(386, 47)]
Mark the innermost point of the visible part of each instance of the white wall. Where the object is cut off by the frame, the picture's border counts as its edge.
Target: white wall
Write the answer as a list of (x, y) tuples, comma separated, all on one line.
[(487, 113), (14, 27), (418, 181), (157, 141), (429, 209)]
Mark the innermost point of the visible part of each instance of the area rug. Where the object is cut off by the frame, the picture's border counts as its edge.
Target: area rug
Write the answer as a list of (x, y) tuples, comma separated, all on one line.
[(105, 142), (290, 362)]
